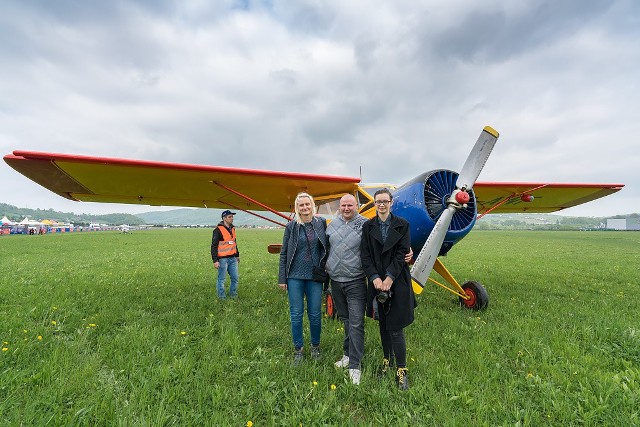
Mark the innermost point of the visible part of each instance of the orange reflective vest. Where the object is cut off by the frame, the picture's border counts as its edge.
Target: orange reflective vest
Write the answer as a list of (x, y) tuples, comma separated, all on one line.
[(227, 245)]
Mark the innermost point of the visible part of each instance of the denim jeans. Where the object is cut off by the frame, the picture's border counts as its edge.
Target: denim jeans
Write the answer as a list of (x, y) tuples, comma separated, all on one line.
[(297, 289), (228, 265), (350, 299)]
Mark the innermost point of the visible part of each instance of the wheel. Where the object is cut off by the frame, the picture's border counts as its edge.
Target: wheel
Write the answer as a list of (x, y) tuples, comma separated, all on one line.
[(329, 307), (479, 298)]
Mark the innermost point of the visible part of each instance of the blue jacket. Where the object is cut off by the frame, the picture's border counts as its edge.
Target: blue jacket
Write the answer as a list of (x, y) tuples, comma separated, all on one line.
[(290, 242)]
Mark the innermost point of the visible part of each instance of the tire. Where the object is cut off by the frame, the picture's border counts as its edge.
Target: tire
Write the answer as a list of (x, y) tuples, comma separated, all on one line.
[(479, 297), (330, 309)]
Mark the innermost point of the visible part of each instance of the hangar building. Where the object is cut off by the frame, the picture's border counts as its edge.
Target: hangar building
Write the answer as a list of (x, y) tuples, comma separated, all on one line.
[(623, 224)]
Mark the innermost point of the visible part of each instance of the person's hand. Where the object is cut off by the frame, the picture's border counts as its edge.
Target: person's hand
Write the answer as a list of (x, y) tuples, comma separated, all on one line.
[(216, 264), (377, 283), (238, 258), (409, 256), (386, 284), (283, 286)]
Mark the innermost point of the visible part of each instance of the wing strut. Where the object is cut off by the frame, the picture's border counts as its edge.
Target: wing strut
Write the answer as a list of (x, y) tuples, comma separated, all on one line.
[(255, 214), (506, 199), (237, 193)]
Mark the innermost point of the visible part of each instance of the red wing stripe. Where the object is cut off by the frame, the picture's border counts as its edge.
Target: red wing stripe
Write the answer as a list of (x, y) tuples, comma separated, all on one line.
[(35, 155)]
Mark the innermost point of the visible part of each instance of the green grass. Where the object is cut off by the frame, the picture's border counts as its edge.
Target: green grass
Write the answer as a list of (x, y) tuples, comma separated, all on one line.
[(132, 334)]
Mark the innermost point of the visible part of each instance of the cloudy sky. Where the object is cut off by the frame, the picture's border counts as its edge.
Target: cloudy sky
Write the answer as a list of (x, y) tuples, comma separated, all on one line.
[(394, 87)]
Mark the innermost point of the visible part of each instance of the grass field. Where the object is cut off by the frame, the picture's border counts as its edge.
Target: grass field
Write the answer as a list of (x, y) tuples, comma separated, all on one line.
[(104, 329)]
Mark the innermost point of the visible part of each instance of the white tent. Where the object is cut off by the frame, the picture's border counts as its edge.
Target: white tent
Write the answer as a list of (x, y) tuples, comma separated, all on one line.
[(6, 221), (30, 222)]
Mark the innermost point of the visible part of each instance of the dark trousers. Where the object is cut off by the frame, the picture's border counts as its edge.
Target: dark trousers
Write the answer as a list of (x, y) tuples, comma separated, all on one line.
[(350, 300), (393, 343)]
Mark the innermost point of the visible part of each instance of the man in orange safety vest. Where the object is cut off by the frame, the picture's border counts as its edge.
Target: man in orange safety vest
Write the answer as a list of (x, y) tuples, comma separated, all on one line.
[(225, 254)]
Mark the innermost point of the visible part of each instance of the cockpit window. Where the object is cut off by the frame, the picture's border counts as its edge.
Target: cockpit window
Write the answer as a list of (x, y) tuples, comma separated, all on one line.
[(362, 198), (328, 207)]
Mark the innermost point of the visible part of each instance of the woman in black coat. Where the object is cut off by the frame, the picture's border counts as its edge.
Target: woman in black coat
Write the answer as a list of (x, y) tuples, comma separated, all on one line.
[(385, 243)]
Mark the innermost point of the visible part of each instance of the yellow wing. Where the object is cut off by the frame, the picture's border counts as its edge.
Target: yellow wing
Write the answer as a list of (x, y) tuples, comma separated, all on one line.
[(511, 197), (112, 180)]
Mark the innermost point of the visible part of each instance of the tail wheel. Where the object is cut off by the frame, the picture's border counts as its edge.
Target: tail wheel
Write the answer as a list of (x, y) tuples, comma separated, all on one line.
[(478, 296), (330, 309)]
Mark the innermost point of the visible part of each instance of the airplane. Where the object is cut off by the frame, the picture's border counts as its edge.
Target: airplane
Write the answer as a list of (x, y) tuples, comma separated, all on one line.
[(441, 205)]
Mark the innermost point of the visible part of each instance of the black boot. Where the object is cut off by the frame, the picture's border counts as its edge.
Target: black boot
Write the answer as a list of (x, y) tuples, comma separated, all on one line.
[(383, 369), (402, 377)]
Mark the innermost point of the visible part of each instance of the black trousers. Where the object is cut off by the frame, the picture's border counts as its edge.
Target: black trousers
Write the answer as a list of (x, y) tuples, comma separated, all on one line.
[(394, 345)]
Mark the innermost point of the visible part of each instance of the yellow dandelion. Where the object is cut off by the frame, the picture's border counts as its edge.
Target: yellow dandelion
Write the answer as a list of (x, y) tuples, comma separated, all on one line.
[(5, 349), (529, 375), (315, 383), (25, 331), (333, 386), (39, 337), (55, 308), (53, 322), (183, 333), (249, 423), (5, 342)]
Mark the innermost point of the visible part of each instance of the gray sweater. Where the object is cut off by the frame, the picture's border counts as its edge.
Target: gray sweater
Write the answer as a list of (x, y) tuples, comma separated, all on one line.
[(343, 263)]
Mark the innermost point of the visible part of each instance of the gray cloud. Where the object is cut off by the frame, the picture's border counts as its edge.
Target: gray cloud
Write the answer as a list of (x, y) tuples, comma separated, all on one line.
[(321, 87)]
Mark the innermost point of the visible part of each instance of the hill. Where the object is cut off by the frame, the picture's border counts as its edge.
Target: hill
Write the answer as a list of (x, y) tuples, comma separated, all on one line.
[(181, 216), (205, 217), (542, 222), (211, 217), (17, 214)]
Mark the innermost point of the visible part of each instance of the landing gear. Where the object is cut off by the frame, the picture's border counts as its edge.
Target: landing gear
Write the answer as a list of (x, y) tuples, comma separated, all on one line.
[(478, 297)]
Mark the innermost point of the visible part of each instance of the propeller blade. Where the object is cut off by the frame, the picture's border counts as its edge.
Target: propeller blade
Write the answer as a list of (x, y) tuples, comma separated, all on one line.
[(429, 252), (467, 178), (477, 158)]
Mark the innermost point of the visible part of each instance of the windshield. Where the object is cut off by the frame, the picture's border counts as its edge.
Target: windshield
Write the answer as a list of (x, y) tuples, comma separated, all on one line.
[(328, 207)]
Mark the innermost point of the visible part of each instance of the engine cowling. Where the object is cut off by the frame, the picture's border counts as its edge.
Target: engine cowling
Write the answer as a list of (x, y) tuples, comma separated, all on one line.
[(422, 200)]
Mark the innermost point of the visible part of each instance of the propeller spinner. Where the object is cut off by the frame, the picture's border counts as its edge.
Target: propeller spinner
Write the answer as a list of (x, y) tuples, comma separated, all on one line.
[(467, 178)]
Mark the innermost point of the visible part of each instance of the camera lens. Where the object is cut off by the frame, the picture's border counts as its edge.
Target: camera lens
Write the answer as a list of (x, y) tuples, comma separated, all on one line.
[(382, 297)]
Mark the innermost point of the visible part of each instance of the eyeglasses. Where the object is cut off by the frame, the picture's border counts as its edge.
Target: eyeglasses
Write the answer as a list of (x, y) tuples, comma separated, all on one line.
[(382, 202)]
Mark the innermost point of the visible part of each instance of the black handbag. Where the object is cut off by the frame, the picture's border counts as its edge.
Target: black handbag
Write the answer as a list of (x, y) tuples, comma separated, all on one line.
[(319, 274)]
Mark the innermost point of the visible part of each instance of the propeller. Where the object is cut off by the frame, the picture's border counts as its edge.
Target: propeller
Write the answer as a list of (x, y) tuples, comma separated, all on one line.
[(466, 179)]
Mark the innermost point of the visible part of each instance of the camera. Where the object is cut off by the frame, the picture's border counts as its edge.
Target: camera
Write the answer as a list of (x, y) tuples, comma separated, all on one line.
[(383, 296)]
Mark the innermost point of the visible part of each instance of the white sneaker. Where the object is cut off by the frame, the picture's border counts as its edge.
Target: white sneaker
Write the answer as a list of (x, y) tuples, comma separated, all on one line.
[(342, 363), (354, 374)]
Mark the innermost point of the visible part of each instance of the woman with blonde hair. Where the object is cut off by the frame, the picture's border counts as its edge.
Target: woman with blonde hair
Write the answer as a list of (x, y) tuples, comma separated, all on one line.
[(302, 259)]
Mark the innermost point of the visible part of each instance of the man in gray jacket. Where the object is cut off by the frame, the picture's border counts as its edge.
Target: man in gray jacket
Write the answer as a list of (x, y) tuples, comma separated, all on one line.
[(348, 282)]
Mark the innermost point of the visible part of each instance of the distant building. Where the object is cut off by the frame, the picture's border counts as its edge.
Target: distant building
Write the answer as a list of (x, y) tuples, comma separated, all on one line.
[(623, 224)]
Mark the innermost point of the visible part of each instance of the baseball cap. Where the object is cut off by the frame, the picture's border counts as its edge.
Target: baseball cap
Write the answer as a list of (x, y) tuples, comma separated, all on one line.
[(227, 212)]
